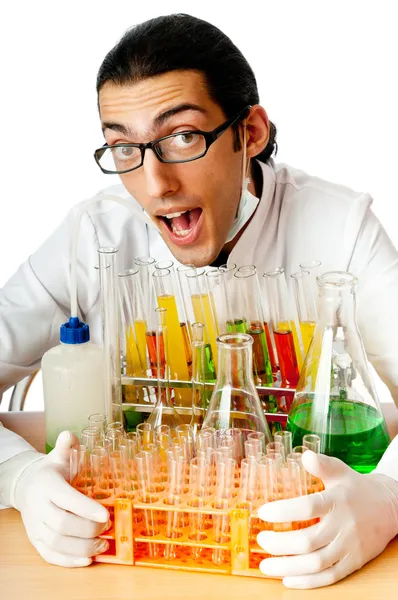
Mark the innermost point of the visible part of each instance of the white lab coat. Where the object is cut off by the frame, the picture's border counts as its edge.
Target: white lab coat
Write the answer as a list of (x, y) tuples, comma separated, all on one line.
[(299, 218)]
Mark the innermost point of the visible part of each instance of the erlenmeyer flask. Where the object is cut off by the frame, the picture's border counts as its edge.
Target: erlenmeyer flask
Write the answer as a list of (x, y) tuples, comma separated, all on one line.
[(335, 397), (235, 402)]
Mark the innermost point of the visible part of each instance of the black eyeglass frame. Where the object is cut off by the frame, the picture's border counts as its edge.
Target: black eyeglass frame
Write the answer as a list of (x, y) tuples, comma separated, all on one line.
[(210, 138)]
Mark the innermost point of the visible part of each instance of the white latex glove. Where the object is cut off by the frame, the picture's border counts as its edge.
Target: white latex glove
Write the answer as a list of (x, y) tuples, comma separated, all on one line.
[(61, 523), (359, 516)]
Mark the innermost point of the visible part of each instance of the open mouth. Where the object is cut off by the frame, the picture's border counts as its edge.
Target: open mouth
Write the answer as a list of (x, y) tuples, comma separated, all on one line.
[(182, 225)]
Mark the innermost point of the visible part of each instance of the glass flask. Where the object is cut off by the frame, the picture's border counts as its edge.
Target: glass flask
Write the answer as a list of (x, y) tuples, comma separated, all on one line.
[(235, 402), (335, 397)]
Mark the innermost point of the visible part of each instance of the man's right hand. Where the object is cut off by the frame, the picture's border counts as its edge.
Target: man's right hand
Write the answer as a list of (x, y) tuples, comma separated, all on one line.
[(61, 523)]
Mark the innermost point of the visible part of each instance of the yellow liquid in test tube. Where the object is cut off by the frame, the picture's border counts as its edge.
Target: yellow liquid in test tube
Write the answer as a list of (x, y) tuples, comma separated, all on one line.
[(307, 331), (176, 350), (291, 326), (134, 366), (140, 332), (203, 309)]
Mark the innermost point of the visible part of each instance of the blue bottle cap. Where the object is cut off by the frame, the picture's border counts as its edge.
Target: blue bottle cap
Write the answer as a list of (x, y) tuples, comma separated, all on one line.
[(74, 332)]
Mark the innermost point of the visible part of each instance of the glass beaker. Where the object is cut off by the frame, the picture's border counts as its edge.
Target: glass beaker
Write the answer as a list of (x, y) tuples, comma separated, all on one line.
[(335, 397), (235, 402)]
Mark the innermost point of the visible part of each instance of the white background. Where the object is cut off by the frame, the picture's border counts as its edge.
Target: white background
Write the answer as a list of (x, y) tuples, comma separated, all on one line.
[(326, 72)]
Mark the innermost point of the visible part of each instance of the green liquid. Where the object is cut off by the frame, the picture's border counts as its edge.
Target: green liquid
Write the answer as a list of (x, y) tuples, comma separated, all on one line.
[(236, 326), (355, 432)]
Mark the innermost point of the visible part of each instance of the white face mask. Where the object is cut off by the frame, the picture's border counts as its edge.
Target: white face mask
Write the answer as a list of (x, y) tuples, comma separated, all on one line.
[(247, 203)]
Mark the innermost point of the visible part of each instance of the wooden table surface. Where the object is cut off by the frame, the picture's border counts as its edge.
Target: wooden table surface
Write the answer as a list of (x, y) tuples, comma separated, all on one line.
[(25, 576)]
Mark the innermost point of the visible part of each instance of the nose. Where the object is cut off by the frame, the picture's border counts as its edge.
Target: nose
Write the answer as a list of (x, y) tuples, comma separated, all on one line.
[(160, 178)]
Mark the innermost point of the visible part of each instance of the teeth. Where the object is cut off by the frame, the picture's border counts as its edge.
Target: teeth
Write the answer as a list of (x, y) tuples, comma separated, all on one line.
[(176, 214), (181, 232)]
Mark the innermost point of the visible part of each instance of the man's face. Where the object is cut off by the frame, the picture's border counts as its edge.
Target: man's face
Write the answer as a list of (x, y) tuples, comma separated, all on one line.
[(206, 191)]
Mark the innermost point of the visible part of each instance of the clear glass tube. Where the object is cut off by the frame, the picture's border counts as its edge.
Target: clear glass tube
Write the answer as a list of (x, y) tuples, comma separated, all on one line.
[(90, 436), (99, 462), (315, 268), (198, 378), (284, 438), (235, 402), (312, 442), (251, 312), (110, 332), (146, 266), (164, 287), (203, 307), (182, 302), (163, 413), (78, 475), (284, 329), (135, 322), (224, 494), (97, 420), (306, 307)]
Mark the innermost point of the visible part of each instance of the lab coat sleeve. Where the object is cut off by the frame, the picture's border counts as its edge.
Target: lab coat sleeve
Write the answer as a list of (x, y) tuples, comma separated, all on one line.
[(375, 262), (36, 300), (15, 455)]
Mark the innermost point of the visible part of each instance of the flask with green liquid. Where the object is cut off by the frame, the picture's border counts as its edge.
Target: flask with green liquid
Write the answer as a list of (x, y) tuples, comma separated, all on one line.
[(336, 397)]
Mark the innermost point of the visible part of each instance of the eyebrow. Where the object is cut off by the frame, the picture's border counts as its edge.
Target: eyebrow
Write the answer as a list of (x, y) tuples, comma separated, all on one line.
[(158, 121)]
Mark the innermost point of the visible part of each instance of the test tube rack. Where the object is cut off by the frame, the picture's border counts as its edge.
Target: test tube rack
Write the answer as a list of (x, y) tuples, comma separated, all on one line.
[(237, 552)]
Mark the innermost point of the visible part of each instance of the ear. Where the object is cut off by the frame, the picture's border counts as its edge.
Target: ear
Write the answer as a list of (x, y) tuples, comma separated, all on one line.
[(257, 127)]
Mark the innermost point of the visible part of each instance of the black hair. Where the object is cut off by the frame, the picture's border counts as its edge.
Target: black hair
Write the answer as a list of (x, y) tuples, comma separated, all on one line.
[(184, 42)]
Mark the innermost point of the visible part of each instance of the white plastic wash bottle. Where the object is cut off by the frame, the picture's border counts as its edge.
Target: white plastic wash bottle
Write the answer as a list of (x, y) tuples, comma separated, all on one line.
[(73, 381)]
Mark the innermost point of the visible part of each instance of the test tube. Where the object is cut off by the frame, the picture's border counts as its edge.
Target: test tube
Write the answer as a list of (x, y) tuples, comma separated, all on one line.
[(97, 420), (163, 412), (218, 300), (182, 304), (306, 307), (284, 438), (305, 481), (224, 493), (251, 311), (231, 324), (145, 432), (199, 487), (253, 448), (135, 319), (146, 266), (78, 463), (174, 519), (89, 437), (248, 488), (268, 469), (117, 471), (312, 442), (203, 307), (147, 486), (198, 378), (186, 439), (284, 329), (277, 448), (247, 269), (236, 434), (177, 361), (99, 462), (315, 268), (110, 332)]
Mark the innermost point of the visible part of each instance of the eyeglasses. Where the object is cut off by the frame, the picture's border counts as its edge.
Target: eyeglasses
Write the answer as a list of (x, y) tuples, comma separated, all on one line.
[(181, 147)]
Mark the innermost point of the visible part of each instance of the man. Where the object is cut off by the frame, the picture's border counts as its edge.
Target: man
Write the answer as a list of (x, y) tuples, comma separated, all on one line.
[(184, 130)]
